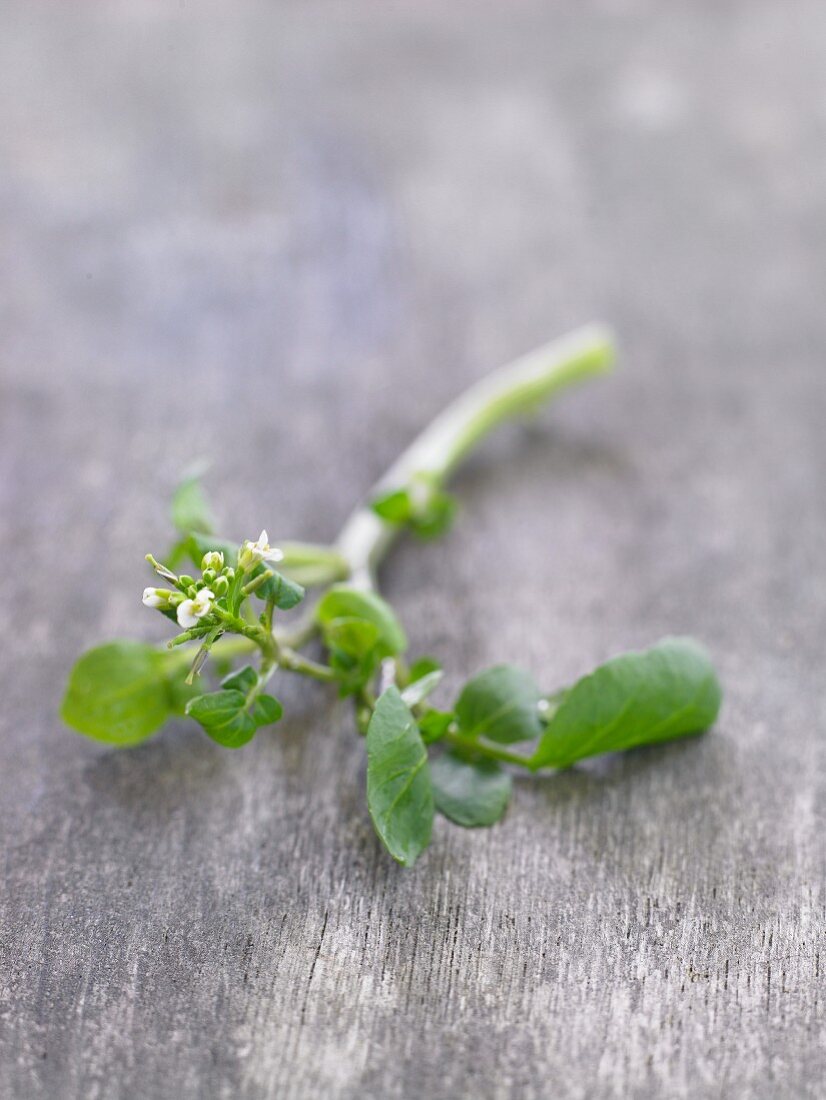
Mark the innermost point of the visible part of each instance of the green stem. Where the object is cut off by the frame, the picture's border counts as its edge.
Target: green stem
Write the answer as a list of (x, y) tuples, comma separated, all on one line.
[(252, 631), (296, 662), (267, 617), (268, 667), (255, 584), (507, 393), (275, 652), (471, 744)]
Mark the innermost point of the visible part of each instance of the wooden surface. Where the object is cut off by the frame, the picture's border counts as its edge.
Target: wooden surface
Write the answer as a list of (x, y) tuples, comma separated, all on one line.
[(283, 236)]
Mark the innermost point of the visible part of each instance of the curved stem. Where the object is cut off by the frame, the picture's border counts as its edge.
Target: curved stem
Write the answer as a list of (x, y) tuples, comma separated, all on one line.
[(507, 393)]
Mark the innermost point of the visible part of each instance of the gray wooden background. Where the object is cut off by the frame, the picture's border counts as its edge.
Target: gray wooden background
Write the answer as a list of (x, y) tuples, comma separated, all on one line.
[(283, 235)]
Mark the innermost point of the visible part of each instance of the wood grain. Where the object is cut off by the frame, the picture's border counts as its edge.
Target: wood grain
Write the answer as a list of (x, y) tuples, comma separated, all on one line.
[(284, 235)]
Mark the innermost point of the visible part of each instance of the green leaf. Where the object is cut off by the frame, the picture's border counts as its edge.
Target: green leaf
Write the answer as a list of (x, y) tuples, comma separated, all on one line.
[(414, 693), (342, 601), (190, 508), (353, 651), (399, 795), (122, 692), (245, 679), (223, 717), (470, 793), (355, 637), (640, 698), (229, 716), (266, 709), (500, 704), (284, 593), (427, 510), (360, 630), (435, 724), (437, 518), (422, 666), (394, 507)]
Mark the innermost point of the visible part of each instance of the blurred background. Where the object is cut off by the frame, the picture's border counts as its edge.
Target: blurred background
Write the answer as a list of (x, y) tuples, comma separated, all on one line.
[(283, 236)]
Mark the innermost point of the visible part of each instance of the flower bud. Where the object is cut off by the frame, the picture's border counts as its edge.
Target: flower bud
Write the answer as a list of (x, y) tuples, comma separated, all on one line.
[(185, 582), (161, 598), (209, 576), (214, 561), (167, 574), (220, 586)]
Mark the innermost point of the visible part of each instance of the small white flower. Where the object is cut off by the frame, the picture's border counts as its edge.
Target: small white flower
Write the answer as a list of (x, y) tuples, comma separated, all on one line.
[(190, 611), (254, 552), (213, 560), (157, 597)]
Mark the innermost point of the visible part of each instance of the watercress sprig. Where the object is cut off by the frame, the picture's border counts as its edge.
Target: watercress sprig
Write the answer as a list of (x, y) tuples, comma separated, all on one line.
[(421, 759)]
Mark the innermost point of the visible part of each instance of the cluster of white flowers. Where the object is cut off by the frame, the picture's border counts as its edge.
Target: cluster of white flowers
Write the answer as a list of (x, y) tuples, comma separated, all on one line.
[(191, 605)]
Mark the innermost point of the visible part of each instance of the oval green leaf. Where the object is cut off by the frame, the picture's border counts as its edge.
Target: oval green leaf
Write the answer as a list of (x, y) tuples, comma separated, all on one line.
[(399, 795), (121, 693), (668, 691)]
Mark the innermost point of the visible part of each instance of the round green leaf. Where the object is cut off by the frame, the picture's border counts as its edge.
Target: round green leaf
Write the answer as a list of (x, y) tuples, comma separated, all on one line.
[(344, 602), (120, 693)]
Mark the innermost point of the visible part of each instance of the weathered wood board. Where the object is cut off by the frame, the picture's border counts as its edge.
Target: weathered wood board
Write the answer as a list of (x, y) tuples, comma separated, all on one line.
[(284, 235)]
